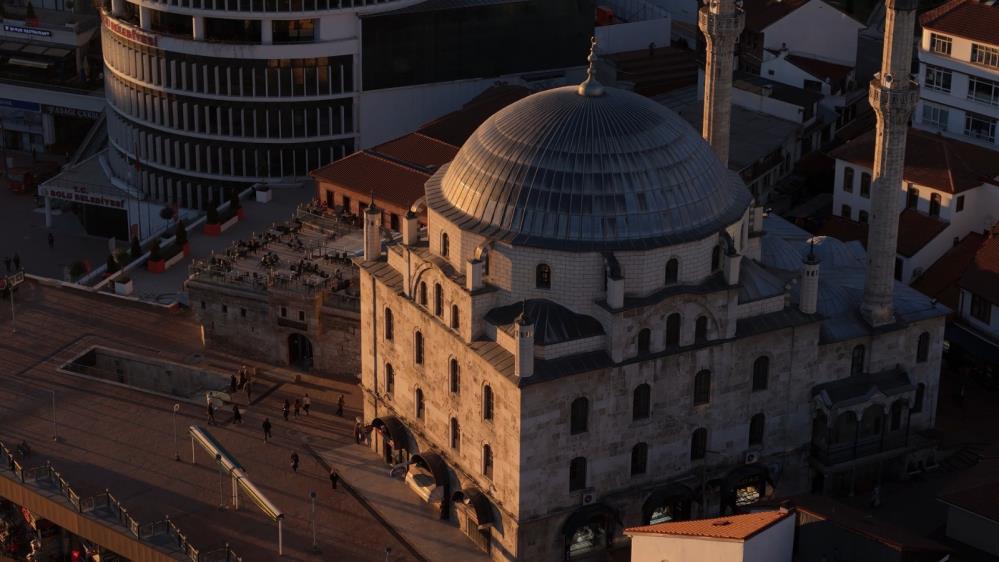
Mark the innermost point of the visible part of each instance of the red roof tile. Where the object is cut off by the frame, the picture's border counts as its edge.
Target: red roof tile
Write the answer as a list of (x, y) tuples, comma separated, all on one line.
[(931, 159), (363, 173), (419, 150), (940, 281), (965, 18), (737, 527), (762, 13), (982, 278), (915, 230), (455, 127), (821, 69)]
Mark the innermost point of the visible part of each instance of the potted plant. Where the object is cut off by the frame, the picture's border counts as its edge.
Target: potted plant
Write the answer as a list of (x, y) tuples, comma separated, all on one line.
[(112, 266), (123, 285), (136, 250), (263, 193), (181, 238), (156, 263), (234, 206)]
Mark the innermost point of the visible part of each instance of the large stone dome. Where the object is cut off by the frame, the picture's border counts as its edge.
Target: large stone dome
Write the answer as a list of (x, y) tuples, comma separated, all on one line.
[(611, 170)]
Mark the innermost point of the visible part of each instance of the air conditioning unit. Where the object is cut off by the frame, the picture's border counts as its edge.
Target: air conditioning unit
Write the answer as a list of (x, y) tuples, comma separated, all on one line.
[(589, 497), (752, 457)]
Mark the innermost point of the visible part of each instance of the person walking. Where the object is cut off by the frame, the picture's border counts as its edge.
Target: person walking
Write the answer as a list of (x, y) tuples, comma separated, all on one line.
[(267, 429), (357, 432), (339, 406), (334, 478), (306, 403), (236, 416), (286, 409), (17, 261), (232, 384), (51, 241), (249, 392), (294, 462), (6, 262), (298, 406), (211, 412)]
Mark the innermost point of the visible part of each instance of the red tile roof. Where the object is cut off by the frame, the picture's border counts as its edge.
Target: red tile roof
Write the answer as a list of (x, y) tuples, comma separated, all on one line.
[(737, 527), (364, 173), (940, 281), (762, 13), (418, 149), (915, 230), (821, 69), (931, 159), (455, 127), (982, 278), (965, 18)]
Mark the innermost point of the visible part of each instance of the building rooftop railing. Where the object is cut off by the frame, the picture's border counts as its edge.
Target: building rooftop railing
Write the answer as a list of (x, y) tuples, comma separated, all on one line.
[(106, 507)]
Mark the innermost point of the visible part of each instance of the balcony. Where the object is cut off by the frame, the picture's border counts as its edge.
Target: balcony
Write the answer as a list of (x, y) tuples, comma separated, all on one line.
[(831, 454)]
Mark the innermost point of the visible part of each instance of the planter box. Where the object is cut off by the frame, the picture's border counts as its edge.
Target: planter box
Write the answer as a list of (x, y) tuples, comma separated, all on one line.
[(123, 288), (158, 266), (174, 260), (187, 249), (264, 196), (216, 229)]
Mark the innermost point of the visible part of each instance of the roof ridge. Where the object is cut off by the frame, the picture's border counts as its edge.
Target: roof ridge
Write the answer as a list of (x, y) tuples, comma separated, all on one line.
[(389, 160), (930, 15), (430, 138)]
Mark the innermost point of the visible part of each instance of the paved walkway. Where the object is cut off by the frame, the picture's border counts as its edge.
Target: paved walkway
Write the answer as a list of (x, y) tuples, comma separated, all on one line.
[(399, 507)]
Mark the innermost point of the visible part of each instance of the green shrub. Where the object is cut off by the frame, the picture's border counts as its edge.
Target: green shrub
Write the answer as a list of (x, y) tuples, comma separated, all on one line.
[(180, 233), (213, 213), (136, 248), (154, 251), (234, 201), (112, 264), (77, 268)]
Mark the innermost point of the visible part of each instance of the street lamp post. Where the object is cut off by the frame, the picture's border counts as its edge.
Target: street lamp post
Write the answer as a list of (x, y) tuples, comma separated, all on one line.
[(218, 459), (315, 544), (176, 449)]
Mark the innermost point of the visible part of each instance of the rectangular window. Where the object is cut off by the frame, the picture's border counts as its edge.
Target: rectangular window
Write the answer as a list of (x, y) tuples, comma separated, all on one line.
[(980, 127), (981, 309), (983, 91), (848, 180), (935, 116), (865, 185), (225, 309), (985, 56), (301, 316), (937, 78), (940, 44), (846, 212), (284, 312), (242, 312), (959, 204)]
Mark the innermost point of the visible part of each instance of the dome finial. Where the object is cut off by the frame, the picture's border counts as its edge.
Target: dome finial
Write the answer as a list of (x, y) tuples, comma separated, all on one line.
[(590, 87)]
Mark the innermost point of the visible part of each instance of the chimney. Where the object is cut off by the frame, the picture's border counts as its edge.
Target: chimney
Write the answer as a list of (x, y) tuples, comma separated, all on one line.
[(473, 274), (614, 281), (808, 300), (733, 261), (372, 232), (524, 364), (410, 228)]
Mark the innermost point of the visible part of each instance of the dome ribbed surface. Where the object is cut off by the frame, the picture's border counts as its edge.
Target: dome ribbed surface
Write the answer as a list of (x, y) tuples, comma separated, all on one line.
[(564, 171)]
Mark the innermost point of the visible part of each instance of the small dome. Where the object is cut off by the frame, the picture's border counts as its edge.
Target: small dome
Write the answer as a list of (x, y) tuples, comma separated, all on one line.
[(610, 171)]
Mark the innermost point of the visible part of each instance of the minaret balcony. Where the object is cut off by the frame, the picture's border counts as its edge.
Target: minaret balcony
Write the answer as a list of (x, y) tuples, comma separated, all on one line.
[(718, 26)]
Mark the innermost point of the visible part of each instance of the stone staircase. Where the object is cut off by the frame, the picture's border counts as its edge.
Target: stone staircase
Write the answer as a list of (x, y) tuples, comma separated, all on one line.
[(668, 69)]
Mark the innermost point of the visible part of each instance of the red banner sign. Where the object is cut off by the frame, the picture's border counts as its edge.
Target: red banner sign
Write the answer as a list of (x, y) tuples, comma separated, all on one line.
[(128, 32)]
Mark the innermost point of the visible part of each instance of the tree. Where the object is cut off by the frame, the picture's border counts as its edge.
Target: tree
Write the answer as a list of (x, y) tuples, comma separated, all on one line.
[(112, 265), (213, 213), (181, 233), (154, 250), (136, 248)]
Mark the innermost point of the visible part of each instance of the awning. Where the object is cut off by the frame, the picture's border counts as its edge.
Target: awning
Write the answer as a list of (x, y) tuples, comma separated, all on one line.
[(395, 430), (435, 464), (474, 498), (593, 513)]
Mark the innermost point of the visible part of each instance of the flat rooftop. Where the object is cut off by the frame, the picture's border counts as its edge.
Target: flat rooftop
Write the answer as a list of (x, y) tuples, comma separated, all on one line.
[(120, 439)]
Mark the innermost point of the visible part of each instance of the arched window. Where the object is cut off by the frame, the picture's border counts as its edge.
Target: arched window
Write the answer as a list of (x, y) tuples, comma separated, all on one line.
[(716, 258), (455, 434), (455, 317), (845, 430), (454, 376), (698, 444), (672, 271), (756, 427), (673, 329), (423, 293), (418, 348), (702, 387), (445, 244), (639, 458), (761, 372), (577, 474), (487, 461), (641, 402), (644, 341), (543, 276), (487, 402), (701, 329), (920, 395), (389, 324), (420, 406), (580, 411), (935, 205), (857, 360), (897, 409), (438, 300), (389, 379), (923, 347), (872, 422)]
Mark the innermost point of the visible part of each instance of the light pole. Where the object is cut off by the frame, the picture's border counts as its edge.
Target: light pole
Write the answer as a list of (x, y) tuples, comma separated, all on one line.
[(218, 459), (176, 449), (315, 545)]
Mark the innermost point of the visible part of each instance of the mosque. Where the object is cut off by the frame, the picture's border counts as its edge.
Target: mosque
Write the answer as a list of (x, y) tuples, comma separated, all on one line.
[(599, 329)]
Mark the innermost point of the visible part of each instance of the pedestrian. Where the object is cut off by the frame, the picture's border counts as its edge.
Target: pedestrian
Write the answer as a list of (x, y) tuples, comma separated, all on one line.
[(294, 462), (286, 409), (876, 497), (6, 262), (357, 432), (51, 241), (236, 416), (249, 392), (267, 429), (334, 477), (211, 412), (306, 403), (232, 384), (339, 406), (17, 261), (242, 376), (298, 406)]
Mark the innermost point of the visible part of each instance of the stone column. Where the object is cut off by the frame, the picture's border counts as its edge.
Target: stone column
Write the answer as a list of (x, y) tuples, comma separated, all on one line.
[(266, 32), (893, 95), (198, 28), (117, 7), (721, 22)]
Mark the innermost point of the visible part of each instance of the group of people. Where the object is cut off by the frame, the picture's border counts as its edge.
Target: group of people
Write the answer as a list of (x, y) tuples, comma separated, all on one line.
[(242, 380), (15, 261)]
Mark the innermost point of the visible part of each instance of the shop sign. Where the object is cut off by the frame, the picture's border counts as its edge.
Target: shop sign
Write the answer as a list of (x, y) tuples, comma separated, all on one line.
[(26, 30), (82, 195), (71, 111), (128, 32)]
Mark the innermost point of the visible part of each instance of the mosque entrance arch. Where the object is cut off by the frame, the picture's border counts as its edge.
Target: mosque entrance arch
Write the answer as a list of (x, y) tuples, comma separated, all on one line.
[(299, 351)]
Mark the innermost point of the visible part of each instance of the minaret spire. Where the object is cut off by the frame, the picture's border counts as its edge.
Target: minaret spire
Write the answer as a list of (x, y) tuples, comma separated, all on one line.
[(590, 87), (721, 21), (893, 94)]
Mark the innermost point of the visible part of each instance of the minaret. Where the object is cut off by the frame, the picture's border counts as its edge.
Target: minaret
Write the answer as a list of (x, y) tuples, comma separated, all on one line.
[(524, 364), (372, 231), (893, 94), (721, 22), (808, 297)]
